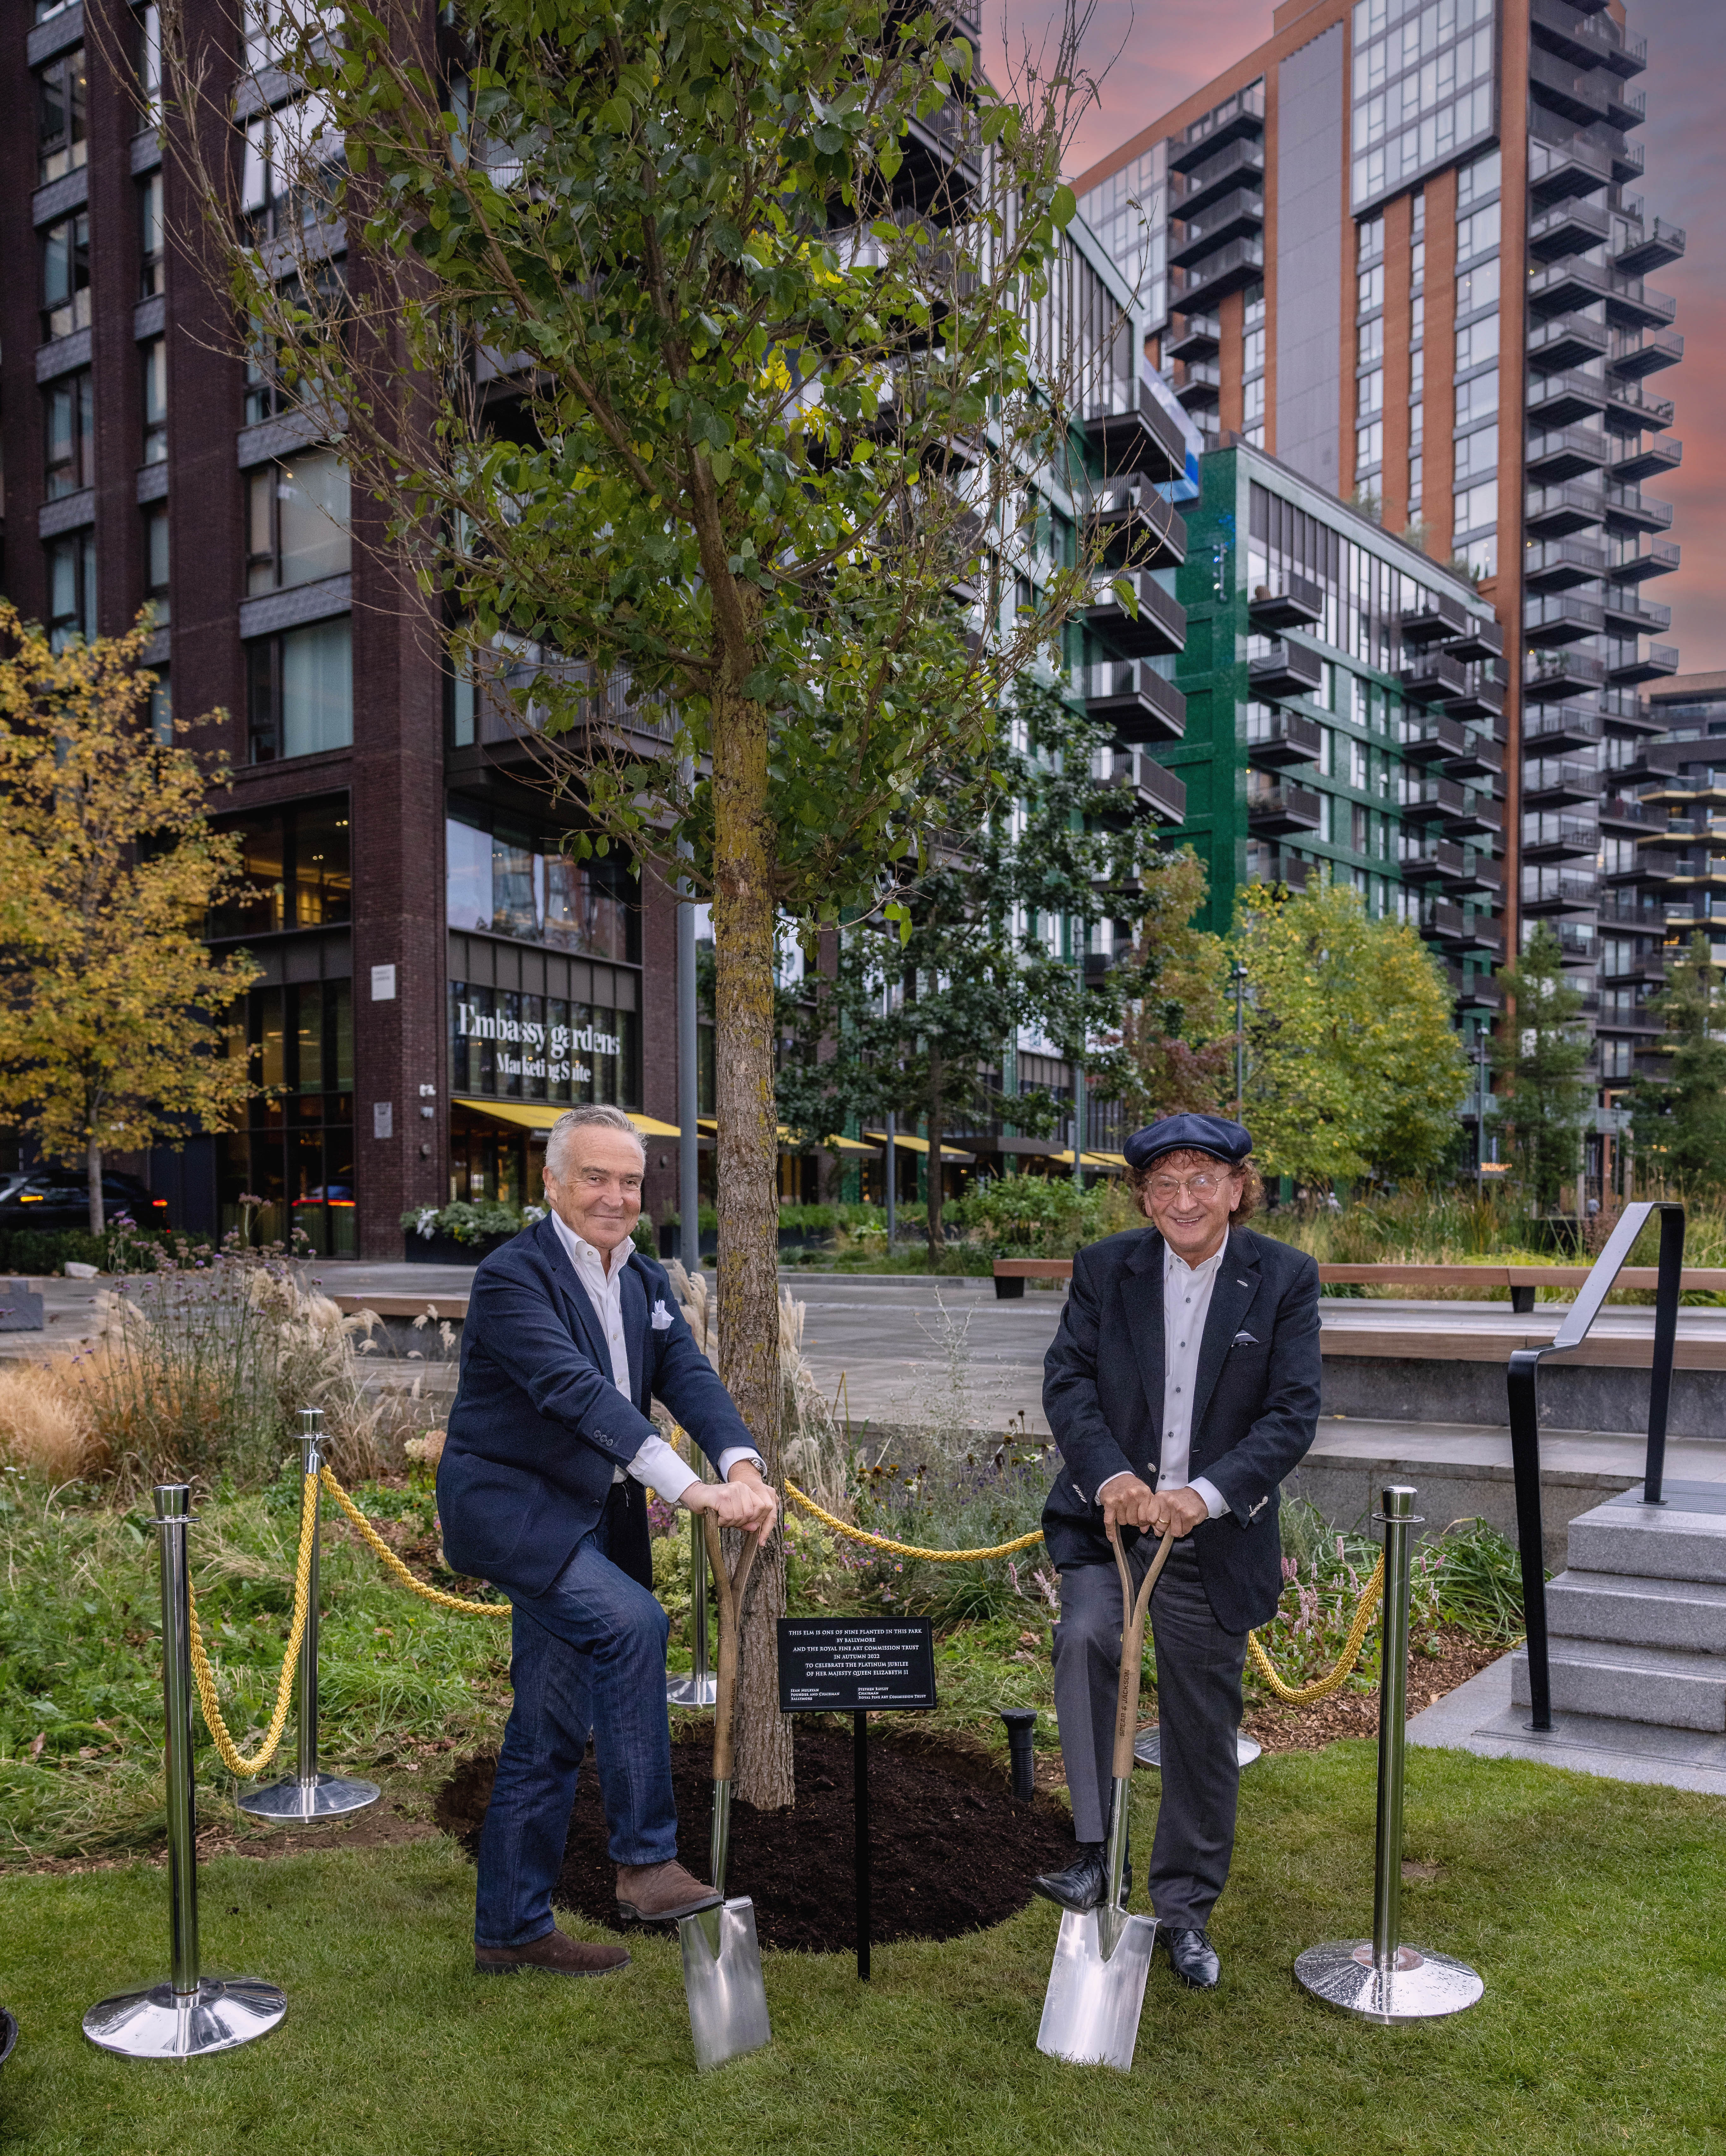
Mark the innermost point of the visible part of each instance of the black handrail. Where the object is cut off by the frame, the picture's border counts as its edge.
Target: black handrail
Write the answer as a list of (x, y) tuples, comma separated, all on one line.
[(1524, 1412)]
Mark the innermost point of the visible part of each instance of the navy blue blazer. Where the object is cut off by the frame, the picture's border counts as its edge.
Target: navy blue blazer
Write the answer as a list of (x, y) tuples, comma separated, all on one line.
[(1254, 1407), (538, 1425)]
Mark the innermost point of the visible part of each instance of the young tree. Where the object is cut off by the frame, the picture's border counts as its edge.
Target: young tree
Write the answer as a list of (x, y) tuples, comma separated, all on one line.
[(1540, 1057), (692, 341), (1679, 1121), (1353, 1066), (112, 1036)]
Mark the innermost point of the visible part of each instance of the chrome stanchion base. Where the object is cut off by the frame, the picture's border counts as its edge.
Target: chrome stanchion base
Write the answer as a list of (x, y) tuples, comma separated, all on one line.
[(692, 1691), (1148, 1747), (162, 2023), (324, 1796), (1421, 1987)]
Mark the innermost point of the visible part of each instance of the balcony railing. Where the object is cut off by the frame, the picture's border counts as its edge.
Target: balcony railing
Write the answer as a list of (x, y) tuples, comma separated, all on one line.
[(1555, 565), (1557, 725), (1137, 702), (1283, 806), (1647, 459), (1130, 432), (1135, 527), (1136, 615), (1286, 669), (1279, 738)]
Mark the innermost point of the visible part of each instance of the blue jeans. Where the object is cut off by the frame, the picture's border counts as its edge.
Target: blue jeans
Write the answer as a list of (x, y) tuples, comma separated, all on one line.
[(587, 1656)]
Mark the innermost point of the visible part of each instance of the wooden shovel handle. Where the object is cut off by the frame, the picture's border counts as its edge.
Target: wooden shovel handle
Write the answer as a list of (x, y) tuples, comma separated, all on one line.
[(1126, 1705), (730, 1588)]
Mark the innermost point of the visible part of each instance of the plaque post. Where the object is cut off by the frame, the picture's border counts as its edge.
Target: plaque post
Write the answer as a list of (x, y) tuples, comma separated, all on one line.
[(860, 1803)]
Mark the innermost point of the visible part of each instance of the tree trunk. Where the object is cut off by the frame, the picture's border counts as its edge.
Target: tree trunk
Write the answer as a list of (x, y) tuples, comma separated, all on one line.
[(937, 1123), (743, 924), (93, 1176)]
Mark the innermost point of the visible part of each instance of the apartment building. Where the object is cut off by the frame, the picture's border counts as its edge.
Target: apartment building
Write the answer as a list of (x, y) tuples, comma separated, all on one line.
[(1399, 246)]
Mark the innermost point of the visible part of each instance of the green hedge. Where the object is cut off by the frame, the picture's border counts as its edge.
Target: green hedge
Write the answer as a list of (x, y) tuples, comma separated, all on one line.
[(135, 1250)]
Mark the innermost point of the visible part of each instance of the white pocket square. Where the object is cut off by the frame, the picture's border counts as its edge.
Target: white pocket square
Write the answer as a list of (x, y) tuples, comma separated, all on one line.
[(662, 1315), (1246, 1340)]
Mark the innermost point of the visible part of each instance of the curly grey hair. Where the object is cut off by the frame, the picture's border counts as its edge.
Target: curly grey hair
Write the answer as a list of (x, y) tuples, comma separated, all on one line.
[(596, 1115)]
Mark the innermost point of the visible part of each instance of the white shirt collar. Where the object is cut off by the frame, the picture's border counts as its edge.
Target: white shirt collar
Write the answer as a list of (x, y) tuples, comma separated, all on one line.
[(1205, 1266), (587, 1257)]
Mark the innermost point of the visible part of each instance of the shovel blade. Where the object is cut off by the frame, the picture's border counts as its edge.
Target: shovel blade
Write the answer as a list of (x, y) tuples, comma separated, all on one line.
[(1090, 2012), (728, 1999)]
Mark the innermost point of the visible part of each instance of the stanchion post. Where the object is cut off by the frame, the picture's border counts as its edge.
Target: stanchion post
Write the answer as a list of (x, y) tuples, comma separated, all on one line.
[(1380, 1979), (701, 1688), (306, 1794), (190, 2013)]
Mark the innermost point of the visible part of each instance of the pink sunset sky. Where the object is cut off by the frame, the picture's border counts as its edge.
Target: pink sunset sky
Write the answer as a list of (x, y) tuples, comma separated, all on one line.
[(1148, 54)]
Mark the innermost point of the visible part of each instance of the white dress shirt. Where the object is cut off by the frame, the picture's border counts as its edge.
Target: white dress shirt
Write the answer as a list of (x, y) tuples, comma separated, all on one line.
[(1186, 1302), (657, 1464)]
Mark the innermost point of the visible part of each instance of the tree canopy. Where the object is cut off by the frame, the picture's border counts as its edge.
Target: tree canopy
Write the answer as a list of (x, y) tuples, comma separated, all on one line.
[(1540, 1058), (1678, 1120)]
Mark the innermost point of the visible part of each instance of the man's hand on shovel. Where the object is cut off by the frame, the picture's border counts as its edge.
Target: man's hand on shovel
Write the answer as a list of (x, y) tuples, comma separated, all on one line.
[(744, 1500)]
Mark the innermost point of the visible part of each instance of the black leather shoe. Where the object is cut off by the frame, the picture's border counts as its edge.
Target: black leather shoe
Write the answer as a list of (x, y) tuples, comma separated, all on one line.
[(1085, 1881), (1193, 1959)]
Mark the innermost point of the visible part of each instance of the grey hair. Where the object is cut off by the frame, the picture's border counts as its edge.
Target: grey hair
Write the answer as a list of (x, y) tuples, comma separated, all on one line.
[(596, 1115)]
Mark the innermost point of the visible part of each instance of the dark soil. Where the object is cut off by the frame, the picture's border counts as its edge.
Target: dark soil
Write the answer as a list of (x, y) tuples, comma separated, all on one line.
[(1280, 1729), (952, 1850)]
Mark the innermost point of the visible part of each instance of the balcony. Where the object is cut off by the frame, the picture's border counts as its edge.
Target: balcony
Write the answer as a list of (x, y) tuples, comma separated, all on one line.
[(1484, 875), (1565, 172), (1434, 861), (1477, 991), (1443, 920), (1556, 618), (1240, 118), (1231, 268), (1587, 38), (1629, 159), (1135, 701), (1654, 869), (1635, 354), (1199, 385), (1554, 512), (1137, 616), (1629, 614), (1563, 399), (1657, 244), (1569, 228), (1135, 526), (1481, 639), (1482, 756), (1632, 305), (1547, 728), (1199, 337), (1434, 678), (1286, 669), (1556, 565), (1556, 837), (1646, 460), (1635, 560), (1269, 864), (1438, 615), (1432, 800), (1129, 431), (1431, 740), (1630, 410), (1237, 214), (1558, 891), (1234, 165), (1275, 738), (1627, 509), (1479, 817), (1576, 942), (1559, 783), (1295, 603), (1281, 806), (1581, 95), (1484, 700), (1565, 453), (1548, 676), (1561, 287), (1623, 814), (1637, 659), (1566, 341), (1143, 785)]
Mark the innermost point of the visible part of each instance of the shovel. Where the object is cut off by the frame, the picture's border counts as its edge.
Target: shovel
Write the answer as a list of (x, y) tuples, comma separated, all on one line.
[(1090, 2012), (722, 1956)]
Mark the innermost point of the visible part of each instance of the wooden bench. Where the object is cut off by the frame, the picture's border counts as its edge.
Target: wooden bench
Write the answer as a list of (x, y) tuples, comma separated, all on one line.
[(1010, 1275)]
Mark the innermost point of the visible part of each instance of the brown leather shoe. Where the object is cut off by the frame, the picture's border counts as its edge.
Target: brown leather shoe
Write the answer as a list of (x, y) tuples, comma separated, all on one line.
[(660, 1893), (556, 1953)]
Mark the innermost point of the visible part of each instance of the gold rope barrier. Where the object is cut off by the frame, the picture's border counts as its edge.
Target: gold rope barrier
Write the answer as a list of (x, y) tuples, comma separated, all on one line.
[(388, 1558), (908, 1549), (204, 1676)]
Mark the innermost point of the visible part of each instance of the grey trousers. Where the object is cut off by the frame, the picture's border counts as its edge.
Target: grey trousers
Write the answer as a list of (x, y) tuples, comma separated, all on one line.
[(1198, 1677)]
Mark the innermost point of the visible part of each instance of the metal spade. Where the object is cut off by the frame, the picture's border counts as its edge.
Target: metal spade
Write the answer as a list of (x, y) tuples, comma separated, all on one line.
[(722, 1956), (1090, 2011)]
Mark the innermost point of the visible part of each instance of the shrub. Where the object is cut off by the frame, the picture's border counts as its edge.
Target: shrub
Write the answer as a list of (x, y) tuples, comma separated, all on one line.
[(1031, 1215), (471, 1220)]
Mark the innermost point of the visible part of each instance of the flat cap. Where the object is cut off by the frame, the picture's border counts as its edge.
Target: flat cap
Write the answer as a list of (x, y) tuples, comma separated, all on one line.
[(1229, 1142)]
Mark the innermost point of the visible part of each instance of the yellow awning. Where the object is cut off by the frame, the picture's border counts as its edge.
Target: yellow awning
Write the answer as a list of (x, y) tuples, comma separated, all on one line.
[(788, 1137), (1091, 1159), (539, 1115), (921, 1145)]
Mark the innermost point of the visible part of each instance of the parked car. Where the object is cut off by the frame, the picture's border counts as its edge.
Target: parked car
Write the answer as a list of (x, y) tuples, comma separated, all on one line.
[(51, 1198)]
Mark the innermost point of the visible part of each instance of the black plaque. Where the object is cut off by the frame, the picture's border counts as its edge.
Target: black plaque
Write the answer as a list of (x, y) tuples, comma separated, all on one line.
[(851, 1666)]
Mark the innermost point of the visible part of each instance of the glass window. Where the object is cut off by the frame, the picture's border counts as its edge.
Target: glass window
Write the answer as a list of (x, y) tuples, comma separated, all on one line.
[(1475, 182), (60, 144), (290, 163), (155, 562), (1370, 289), (72, 588), (65, 276), (1479, 288), (296, 864), (1476, 506), (300, 691), (513, 882), (1369, 446), (69, 427), (149, 61), (152, 238), (1369, 393), (1477, 343), (322, 894), (1477, 453), (298, 1156), (298, 518), (269, 392), (1478, 234), (153, 357), (1477, 399)]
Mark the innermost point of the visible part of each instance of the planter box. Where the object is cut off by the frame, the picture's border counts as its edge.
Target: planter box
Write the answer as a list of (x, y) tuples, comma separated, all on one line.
[(441, 1249), (790, 1239)]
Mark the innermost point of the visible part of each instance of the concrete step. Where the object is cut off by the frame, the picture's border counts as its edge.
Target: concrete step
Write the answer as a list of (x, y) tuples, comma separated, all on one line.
[(1667, 1544), (1619, 1608), (1656, 1685)]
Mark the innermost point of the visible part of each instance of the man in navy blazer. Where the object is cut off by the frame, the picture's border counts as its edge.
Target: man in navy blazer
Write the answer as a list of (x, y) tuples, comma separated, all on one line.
[(1182, 1387), (570, 1336)]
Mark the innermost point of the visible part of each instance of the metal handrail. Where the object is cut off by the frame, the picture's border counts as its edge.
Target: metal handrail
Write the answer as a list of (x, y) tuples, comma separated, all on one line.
[(1521, 1378)]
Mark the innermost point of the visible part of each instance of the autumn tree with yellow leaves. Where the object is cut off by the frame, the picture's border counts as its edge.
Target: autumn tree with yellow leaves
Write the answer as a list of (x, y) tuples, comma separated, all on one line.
[(111, 1008)]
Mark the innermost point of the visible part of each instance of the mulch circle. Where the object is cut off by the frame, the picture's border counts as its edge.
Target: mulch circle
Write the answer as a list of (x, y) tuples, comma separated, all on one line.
[(952, 1850)]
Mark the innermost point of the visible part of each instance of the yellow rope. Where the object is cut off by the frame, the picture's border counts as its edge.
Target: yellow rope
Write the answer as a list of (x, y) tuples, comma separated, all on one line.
[(908, 1549), (1308, 1695), (388, 1558), (204, 1676)]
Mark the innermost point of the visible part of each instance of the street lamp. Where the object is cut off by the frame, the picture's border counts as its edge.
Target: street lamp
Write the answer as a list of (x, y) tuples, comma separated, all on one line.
[(1239, 977)]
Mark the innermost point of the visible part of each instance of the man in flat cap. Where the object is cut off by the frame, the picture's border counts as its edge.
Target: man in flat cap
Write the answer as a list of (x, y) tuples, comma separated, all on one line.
[(1182, 1387)]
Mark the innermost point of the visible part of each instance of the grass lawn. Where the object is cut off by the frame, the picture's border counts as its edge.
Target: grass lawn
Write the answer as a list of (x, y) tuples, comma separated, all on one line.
[(1592, 1908)]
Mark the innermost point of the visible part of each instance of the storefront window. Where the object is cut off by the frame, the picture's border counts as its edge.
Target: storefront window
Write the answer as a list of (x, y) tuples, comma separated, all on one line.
[(296, 865), (504, 879), (519, 1047), (298, 1155)]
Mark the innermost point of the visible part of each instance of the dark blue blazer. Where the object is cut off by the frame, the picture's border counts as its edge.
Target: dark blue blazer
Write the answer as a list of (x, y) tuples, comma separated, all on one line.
[(538, 1426), (1255, 1409)]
